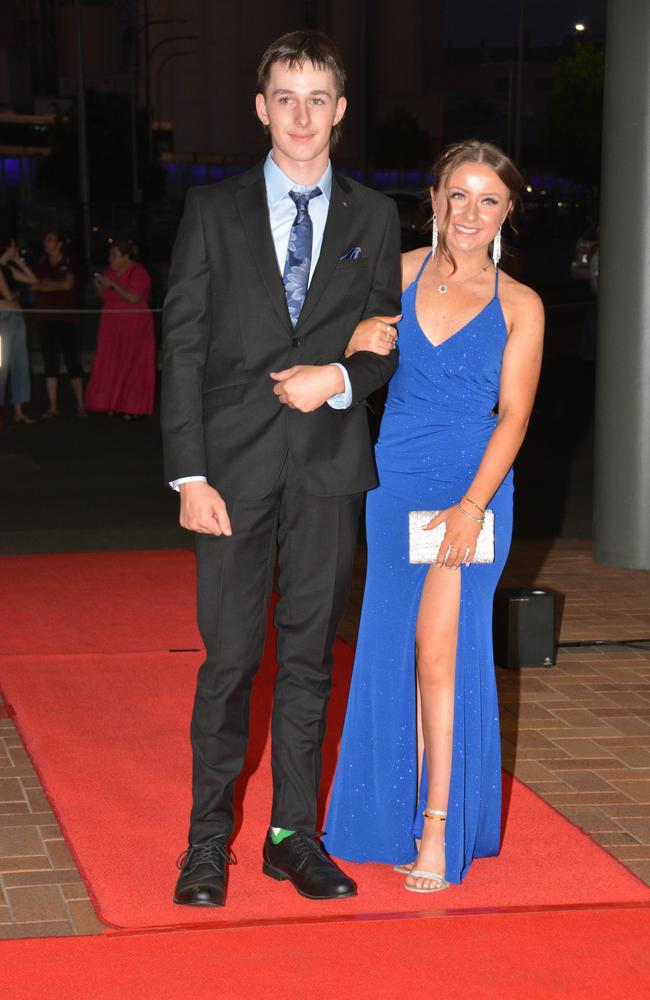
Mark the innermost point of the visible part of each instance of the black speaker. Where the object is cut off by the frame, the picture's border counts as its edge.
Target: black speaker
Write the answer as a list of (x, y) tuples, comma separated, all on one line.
[(524, 627)]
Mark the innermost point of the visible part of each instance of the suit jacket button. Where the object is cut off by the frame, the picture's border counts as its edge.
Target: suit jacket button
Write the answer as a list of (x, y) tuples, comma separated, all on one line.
[(297, 342)]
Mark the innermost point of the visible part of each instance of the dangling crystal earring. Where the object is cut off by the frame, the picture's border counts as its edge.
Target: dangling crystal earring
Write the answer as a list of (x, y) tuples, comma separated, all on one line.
[(434, 235), (496, 248)]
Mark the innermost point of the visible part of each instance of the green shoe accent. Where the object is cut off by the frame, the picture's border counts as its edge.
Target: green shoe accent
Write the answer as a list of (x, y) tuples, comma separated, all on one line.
[(277, 834)]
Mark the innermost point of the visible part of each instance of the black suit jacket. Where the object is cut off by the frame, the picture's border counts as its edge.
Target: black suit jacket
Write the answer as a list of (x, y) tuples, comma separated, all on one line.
[(226, 326)]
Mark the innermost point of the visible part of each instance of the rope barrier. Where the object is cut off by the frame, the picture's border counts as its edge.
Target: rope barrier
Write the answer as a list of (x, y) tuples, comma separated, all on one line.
[(71, 309)]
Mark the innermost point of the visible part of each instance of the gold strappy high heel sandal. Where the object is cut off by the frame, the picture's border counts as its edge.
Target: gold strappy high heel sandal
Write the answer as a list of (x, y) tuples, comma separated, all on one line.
[(434, 814)]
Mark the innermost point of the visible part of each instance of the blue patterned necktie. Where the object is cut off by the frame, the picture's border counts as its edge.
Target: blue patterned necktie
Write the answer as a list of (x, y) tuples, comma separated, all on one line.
[(298, 260)]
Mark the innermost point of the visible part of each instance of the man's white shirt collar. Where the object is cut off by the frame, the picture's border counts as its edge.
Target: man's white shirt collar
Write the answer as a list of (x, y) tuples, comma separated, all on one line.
[(278, 184)]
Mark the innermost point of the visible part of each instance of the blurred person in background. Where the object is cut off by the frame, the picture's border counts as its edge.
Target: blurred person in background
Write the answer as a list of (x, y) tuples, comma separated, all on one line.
[(54, 279), (123, 378), (13, 335)]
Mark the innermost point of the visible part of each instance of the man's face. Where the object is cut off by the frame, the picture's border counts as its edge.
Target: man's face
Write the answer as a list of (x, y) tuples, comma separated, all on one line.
[(301, 108), (51, 244)]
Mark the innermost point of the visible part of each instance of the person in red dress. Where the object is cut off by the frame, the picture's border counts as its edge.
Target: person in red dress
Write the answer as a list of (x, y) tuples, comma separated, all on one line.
[(124, 371)]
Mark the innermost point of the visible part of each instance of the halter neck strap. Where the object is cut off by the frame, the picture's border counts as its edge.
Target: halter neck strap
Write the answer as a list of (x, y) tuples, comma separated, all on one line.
[(423, 265)]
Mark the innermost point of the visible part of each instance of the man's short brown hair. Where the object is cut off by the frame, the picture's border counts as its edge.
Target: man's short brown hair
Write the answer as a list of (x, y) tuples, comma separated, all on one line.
[(298, 48)]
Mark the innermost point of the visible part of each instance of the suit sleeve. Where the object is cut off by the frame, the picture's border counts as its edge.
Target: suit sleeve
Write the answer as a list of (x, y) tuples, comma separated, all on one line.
[(368, 371), (185, 344)]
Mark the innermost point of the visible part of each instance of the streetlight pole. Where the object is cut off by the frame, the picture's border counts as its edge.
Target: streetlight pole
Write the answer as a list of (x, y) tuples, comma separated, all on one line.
[(519, 101), (150, 112), (135, 189), (172, 38), (172, 55), (147, 88), (509, 123), (84, 186)]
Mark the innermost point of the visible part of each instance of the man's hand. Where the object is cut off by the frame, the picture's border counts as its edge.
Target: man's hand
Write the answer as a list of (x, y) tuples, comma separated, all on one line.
[(306, 387), (203, 510)]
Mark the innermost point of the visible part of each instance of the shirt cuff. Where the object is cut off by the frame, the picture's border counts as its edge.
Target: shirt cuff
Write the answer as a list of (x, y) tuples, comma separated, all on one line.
[(175, 483), (342, 400)]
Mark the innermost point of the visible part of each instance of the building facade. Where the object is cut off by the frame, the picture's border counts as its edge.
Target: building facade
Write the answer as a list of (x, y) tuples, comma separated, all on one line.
[(194, 62)]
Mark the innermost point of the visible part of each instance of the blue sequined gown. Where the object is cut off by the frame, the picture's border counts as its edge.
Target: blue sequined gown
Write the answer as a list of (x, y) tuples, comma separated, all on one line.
[(438, 419)]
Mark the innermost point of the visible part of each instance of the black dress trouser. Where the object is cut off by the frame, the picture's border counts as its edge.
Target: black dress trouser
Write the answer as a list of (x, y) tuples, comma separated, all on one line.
[(315, 540)]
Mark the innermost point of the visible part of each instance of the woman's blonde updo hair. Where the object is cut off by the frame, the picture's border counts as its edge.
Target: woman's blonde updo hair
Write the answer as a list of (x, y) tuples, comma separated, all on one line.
[(474, 151)]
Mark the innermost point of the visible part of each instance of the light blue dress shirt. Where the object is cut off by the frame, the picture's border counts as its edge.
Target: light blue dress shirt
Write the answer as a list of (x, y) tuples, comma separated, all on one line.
[(282, 209), (282, 212)]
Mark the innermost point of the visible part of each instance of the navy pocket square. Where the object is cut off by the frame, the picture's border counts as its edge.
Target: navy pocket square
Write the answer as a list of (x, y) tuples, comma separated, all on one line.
[(352, 254)]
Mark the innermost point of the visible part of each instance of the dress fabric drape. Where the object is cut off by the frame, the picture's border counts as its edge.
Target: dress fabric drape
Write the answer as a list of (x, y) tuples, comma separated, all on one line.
[(440, 414)]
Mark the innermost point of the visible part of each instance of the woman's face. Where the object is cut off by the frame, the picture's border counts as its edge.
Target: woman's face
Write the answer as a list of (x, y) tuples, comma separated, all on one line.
[(476, 201), (117, 259)]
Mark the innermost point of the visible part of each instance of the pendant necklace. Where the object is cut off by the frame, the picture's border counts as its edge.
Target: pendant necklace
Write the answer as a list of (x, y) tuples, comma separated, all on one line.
[(443, 287)]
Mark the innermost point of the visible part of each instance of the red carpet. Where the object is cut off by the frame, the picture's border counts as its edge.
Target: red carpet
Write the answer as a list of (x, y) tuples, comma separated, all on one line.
[(108, 733), (579, 956), (98, 602)]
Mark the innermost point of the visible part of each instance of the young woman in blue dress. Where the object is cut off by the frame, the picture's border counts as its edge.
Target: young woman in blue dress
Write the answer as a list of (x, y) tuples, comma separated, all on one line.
[(418, 778)]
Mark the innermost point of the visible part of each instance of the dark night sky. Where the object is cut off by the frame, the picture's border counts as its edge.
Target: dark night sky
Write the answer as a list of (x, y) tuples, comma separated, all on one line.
[(496, 22)]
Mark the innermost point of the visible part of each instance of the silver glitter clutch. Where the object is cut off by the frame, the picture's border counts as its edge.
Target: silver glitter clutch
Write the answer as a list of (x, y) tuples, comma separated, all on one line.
[(425, 545)]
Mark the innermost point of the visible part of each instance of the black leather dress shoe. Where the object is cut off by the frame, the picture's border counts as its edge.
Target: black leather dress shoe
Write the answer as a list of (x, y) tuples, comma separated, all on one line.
[(203, 880), (303, 859)]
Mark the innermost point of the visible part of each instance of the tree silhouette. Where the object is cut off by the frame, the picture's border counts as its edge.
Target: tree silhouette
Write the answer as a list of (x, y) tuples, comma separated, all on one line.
[(575, 114)]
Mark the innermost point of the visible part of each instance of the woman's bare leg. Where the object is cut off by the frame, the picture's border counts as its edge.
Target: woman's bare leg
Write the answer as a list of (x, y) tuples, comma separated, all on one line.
[(78, 389), (435, 642), (51, 385)]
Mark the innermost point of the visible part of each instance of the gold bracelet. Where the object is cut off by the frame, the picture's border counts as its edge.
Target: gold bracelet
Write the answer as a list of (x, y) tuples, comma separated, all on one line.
[(479, 520), (474, 504)]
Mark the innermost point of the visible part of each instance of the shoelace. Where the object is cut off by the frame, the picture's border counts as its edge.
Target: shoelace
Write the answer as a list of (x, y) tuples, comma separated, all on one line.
[(206, 854), (308, 843)]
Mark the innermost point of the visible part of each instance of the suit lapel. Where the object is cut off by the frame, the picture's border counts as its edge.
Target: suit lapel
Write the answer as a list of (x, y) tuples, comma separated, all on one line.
[(334, 242), (254, 213)]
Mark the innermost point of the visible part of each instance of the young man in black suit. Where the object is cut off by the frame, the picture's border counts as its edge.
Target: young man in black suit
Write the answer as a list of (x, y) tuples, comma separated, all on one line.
[(266, 437)]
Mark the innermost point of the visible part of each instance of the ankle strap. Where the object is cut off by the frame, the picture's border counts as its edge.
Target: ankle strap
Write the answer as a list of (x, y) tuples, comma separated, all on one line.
[(439, 814)]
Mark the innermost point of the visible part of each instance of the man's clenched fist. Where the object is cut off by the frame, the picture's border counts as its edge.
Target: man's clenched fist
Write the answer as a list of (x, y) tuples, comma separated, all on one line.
[(203, 510)]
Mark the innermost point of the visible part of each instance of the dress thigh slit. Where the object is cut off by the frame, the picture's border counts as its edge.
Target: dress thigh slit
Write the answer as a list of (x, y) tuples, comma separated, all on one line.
[(375, 811)]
